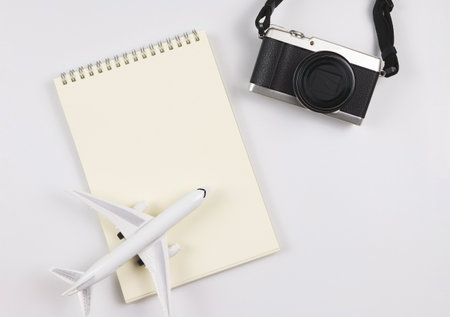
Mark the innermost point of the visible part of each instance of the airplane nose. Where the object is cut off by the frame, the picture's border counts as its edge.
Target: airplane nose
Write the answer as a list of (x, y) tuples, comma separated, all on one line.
[(205, 190)]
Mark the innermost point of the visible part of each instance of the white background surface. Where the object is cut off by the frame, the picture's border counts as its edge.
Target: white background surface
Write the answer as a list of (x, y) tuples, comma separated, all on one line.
[(362, 213)]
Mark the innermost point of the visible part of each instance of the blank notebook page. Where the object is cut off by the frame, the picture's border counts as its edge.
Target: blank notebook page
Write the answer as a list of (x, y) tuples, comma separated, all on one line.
[(156, 128)]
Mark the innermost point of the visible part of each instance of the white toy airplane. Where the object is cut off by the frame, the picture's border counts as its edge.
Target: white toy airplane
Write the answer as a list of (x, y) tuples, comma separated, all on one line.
[(145, 236)]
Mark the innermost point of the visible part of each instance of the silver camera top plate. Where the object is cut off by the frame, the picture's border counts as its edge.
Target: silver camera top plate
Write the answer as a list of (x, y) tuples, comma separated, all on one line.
[(315, 44)]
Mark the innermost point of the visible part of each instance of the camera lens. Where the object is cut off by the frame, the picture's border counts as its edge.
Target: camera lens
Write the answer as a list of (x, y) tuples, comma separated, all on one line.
[(324, 81)]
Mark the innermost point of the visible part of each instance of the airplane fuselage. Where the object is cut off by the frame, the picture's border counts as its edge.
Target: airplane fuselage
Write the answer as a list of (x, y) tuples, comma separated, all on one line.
[(143, 237)]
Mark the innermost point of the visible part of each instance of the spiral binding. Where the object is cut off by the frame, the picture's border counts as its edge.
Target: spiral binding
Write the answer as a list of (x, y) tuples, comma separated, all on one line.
[(130, 57)]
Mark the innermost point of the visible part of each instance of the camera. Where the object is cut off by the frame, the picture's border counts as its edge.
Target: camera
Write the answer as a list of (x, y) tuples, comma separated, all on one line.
[(316, 74)]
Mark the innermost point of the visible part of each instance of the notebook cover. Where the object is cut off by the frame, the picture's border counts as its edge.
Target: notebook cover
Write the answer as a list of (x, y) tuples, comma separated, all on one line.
[(154, 129)]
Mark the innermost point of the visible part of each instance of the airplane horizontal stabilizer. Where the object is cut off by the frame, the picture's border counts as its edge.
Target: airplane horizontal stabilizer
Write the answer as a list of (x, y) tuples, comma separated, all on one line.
[(68, 276), (71, 276)]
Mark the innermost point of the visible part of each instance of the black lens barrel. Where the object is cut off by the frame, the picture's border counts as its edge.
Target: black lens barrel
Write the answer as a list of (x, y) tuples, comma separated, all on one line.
[(324, 81)]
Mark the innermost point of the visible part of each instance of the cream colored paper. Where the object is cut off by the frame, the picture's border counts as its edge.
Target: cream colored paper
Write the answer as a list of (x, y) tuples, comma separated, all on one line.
[(155, 129)]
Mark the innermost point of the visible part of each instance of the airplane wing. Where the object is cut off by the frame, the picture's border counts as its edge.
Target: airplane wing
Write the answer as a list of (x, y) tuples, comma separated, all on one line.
[(156, 260), (125, 219)]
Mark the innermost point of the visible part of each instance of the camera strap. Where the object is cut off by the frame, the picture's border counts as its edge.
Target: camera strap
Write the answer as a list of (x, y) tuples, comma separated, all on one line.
[(383, 26)]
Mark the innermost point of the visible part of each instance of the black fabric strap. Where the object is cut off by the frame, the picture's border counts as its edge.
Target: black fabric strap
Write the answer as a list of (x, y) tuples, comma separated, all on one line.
[(383, 26), (265, 13), (385, 32)]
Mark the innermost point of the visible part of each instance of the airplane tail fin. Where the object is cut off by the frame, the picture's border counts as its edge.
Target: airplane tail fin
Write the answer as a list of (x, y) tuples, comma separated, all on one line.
[(71, 276)]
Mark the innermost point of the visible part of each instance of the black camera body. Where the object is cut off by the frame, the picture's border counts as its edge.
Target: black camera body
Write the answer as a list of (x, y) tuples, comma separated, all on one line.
[(316, 74)]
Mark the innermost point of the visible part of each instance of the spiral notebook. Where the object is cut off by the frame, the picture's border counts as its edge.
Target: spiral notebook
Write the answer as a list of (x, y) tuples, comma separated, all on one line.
[(154, 124)]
